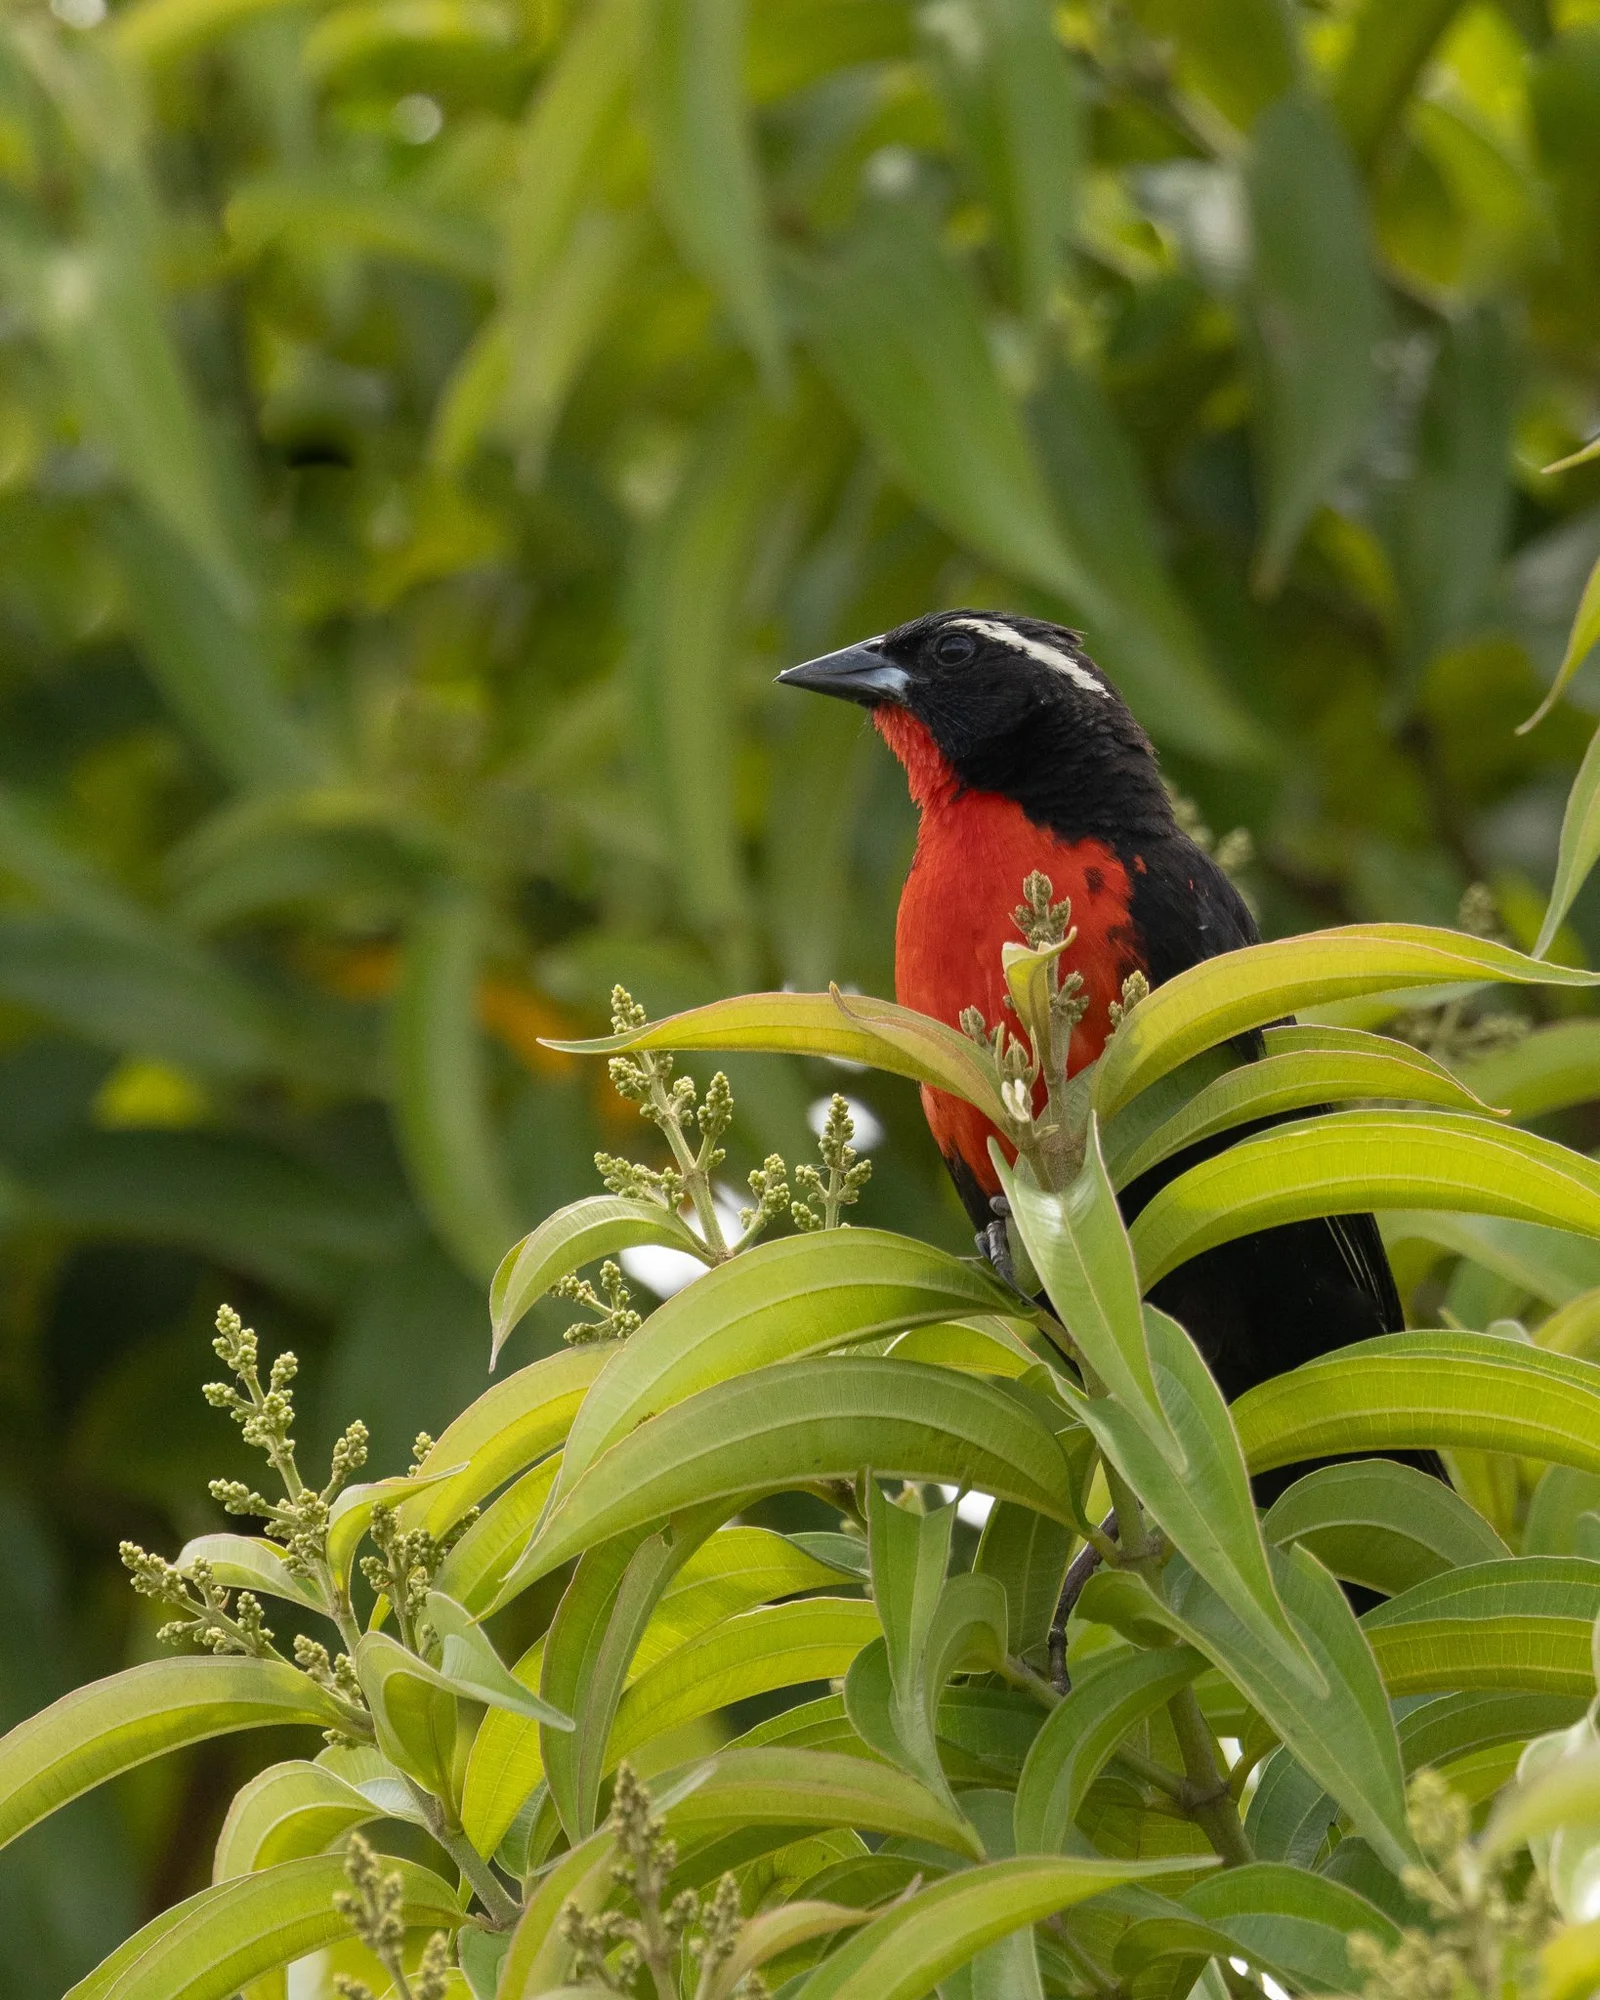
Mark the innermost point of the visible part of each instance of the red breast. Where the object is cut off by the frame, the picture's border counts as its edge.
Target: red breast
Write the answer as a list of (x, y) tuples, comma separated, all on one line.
[(973, 851)]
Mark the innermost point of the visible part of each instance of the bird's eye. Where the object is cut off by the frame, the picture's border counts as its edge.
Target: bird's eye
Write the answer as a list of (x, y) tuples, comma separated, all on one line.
[(954, 649)]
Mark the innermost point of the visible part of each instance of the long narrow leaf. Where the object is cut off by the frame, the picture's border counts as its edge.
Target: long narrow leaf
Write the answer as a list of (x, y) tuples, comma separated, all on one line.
[(1354, 1160), (113, 1725)]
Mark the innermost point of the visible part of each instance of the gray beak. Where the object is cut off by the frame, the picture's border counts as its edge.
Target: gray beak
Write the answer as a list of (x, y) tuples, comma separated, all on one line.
[(855, 673)]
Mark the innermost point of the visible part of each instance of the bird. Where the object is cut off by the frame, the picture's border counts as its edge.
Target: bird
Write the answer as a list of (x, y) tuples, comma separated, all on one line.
[(1021, 755)]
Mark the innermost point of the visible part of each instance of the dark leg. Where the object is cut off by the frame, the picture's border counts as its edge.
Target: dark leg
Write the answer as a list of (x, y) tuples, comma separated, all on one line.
[(1082, 1567)]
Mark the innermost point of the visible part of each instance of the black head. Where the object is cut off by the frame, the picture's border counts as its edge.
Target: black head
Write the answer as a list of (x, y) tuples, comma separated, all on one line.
[(1013, 705)]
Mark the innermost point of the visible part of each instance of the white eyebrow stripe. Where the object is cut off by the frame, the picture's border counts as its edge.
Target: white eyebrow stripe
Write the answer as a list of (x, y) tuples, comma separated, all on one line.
[(1036, 649)]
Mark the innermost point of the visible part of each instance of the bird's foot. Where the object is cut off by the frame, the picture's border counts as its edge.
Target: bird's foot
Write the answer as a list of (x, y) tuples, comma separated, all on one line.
[(994, 1243)]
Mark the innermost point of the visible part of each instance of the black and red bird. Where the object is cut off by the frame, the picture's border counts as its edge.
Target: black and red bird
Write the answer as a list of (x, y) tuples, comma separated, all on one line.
[(1021, 755)]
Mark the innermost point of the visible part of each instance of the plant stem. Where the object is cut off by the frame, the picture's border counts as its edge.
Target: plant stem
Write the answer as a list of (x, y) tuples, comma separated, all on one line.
[(1173, 1783), (503, 1908), (1207, 1798), (1098, 1978)]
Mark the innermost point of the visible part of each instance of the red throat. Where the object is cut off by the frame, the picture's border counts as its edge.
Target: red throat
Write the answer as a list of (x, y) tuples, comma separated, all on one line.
[(973, 850)]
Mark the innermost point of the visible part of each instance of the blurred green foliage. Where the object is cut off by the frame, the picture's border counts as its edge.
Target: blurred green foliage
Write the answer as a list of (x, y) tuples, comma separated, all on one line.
[(425, 425)]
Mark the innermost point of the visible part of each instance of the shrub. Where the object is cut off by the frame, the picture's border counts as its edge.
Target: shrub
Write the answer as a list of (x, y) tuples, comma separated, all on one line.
[(1090, 1756)]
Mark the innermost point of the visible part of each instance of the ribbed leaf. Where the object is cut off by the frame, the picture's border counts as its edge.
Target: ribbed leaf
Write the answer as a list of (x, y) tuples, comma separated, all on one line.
[(1354, 1160), (905, 1952), (590, 1646), (774, 1646), (850, 1026), (1286, 1921), (1080, 1736), (1384, 1525), (1520, 1623), (216, 1942), (797, 1423), (1302, 1067), (244, 1562), (511, 1424), (1343, 1734), (1227, 995), (480, 1562), (598, 1226), (285, 1812), (113, 1725), (1424, 1389), (795, 1296)]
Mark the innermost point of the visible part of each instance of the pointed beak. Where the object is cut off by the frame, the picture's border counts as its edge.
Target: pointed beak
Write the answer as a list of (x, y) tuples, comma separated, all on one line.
[(855, 673)]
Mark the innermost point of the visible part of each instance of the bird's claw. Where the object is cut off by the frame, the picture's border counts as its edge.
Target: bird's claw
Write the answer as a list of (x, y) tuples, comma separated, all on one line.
[(994, 1243)]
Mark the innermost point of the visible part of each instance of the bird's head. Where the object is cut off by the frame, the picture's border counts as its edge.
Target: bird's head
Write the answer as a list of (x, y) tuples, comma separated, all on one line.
[(1004, 704)]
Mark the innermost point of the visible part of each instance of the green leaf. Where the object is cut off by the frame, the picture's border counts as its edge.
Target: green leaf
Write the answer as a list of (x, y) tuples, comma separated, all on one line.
[(244, 1562), (794, 1296), (1284, 1921), (414, 1711), (1316, 318), (113, 1725), (284, 1812), (851, 1026), (1226, 996), (481, 1561), (1551, 1264), (932, 1628), (707, 180), (1144, 635), (590, 1646), (908, 1950), (1548, 1070), (1354, 1160), (1390, 43), (1081, 1735), (216, 1942), (1449, 1726), (1302, 1067), (778, 1785), (574, 112), (1580, 824), (207, 647), (797, 1423), (773, 1646), (1191, 1476), (1580, 643), (598, 1226), (1240, 55), (512, 1424), (351, 1514), (1413, 1390), (766, 1935), (684, 600), (731, 1571), (469, 1664), (1384, 1525), (1028, 1556), (1563, 1793), (1457, 503), (1078, 1245), (441, 1109), (1343, 1735), (504, 1765), (897, 329), (1523, 1622), (1024, 128)]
